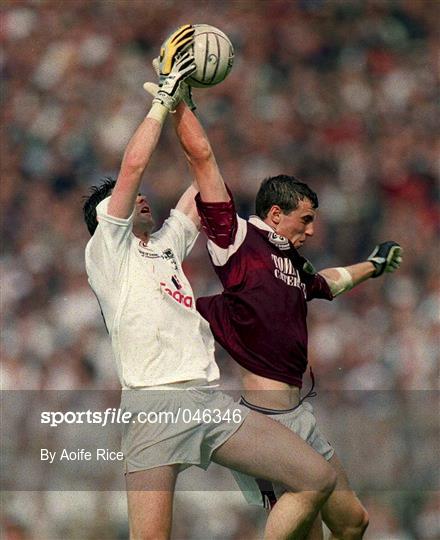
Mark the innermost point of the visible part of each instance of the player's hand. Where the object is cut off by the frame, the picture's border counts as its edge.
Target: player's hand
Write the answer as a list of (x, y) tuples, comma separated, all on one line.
[(177, 43), (168, 93), (184, 89), (386, 257), (186, 95)]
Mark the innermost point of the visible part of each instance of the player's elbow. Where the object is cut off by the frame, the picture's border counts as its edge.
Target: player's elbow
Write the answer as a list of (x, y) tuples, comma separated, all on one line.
[(135, 161), (339, 280), (200, 151)]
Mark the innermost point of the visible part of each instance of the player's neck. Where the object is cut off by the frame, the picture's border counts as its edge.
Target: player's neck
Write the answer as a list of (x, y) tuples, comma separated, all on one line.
[(142, 235), (270, 223)]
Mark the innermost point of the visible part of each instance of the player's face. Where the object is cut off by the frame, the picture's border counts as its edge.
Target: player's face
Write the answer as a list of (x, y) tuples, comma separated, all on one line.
[(143, 220), (298, 225)]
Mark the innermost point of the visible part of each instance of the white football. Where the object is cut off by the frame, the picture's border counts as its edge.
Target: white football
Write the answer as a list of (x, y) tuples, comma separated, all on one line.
[(213, 54)]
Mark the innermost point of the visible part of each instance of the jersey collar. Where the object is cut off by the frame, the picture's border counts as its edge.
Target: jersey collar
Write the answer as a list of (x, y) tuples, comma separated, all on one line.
[(255, 220), (278, 241)]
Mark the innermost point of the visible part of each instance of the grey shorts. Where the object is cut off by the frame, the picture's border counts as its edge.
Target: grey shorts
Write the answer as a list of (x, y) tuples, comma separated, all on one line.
[(178, 424), (301, 421)]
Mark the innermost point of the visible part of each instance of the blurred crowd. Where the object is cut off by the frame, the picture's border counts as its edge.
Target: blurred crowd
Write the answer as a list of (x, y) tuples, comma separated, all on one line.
[(341, 93)]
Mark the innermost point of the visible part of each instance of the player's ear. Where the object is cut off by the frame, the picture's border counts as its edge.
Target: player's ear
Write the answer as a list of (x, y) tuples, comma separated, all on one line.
[(274, 214)]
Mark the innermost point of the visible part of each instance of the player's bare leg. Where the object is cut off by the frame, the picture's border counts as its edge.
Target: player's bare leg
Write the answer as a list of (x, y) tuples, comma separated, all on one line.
[(264, 448), (293, 517), (150, 502), (343, 512), (316, 532)]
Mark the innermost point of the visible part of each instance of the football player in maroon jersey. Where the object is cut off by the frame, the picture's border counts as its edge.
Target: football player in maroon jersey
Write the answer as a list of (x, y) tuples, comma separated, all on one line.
[(260, 318)]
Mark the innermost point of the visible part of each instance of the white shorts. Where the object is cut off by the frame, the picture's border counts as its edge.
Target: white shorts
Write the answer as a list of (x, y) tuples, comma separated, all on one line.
[(180, 424), (301, 421)]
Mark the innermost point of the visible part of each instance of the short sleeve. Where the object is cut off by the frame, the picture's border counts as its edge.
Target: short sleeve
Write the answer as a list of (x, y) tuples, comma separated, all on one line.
[(225, 230), (317, 287), (178, 233), (219, 220), (104, 217), (108, 247)]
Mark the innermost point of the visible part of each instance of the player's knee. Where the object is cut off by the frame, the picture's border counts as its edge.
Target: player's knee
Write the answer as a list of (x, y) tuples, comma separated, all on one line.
[(321, 483), (328, 481), (365, 521), (325, 479), (354, 528), (362, 522)]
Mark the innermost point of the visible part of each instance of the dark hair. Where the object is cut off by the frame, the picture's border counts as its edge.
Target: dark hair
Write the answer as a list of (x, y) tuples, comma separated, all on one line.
[(285, 191), (98, 194)]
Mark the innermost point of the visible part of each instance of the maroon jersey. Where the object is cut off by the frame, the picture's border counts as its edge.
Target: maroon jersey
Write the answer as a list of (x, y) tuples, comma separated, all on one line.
[(260, 318)]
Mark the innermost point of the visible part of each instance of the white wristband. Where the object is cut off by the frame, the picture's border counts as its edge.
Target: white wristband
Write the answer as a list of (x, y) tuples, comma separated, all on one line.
[(158, 112), (343, 283)]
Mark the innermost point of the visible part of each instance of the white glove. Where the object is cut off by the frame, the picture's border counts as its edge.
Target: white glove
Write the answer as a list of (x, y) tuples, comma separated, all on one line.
[(184, 90), (168, 91)]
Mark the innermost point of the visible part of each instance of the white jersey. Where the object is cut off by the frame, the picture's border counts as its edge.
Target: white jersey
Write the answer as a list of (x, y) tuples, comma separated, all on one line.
[(148, 305)]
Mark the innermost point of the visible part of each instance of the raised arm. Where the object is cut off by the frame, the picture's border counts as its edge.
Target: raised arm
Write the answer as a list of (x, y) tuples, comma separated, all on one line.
[(386, 257), (135, 160), (142, 144), (206, 175), (200, 156)]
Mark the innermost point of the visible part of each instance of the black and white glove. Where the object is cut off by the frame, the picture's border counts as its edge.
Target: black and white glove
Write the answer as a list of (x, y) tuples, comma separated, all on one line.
[(168, 94), (386, 257), (184, 90)]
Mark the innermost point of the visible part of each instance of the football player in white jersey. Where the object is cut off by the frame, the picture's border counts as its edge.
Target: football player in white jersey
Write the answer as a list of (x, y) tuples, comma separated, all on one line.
[(164, 351)]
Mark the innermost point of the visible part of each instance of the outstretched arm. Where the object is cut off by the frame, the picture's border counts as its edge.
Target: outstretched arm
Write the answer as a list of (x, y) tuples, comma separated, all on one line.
[(200, 156), (345, 278), (386, 257)]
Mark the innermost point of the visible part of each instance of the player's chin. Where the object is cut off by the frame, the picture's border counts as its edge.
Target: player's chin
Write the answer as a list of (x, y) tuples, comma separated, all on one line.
[(146, 217), (146, 220), (150, 223)]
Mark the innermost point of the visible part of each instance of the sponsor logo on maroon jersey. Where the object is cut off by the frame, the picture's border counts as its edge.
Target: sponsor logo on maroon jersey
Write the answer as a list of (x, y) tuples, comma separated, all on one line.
[(183, 299), (285, 271), (279, 241)]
